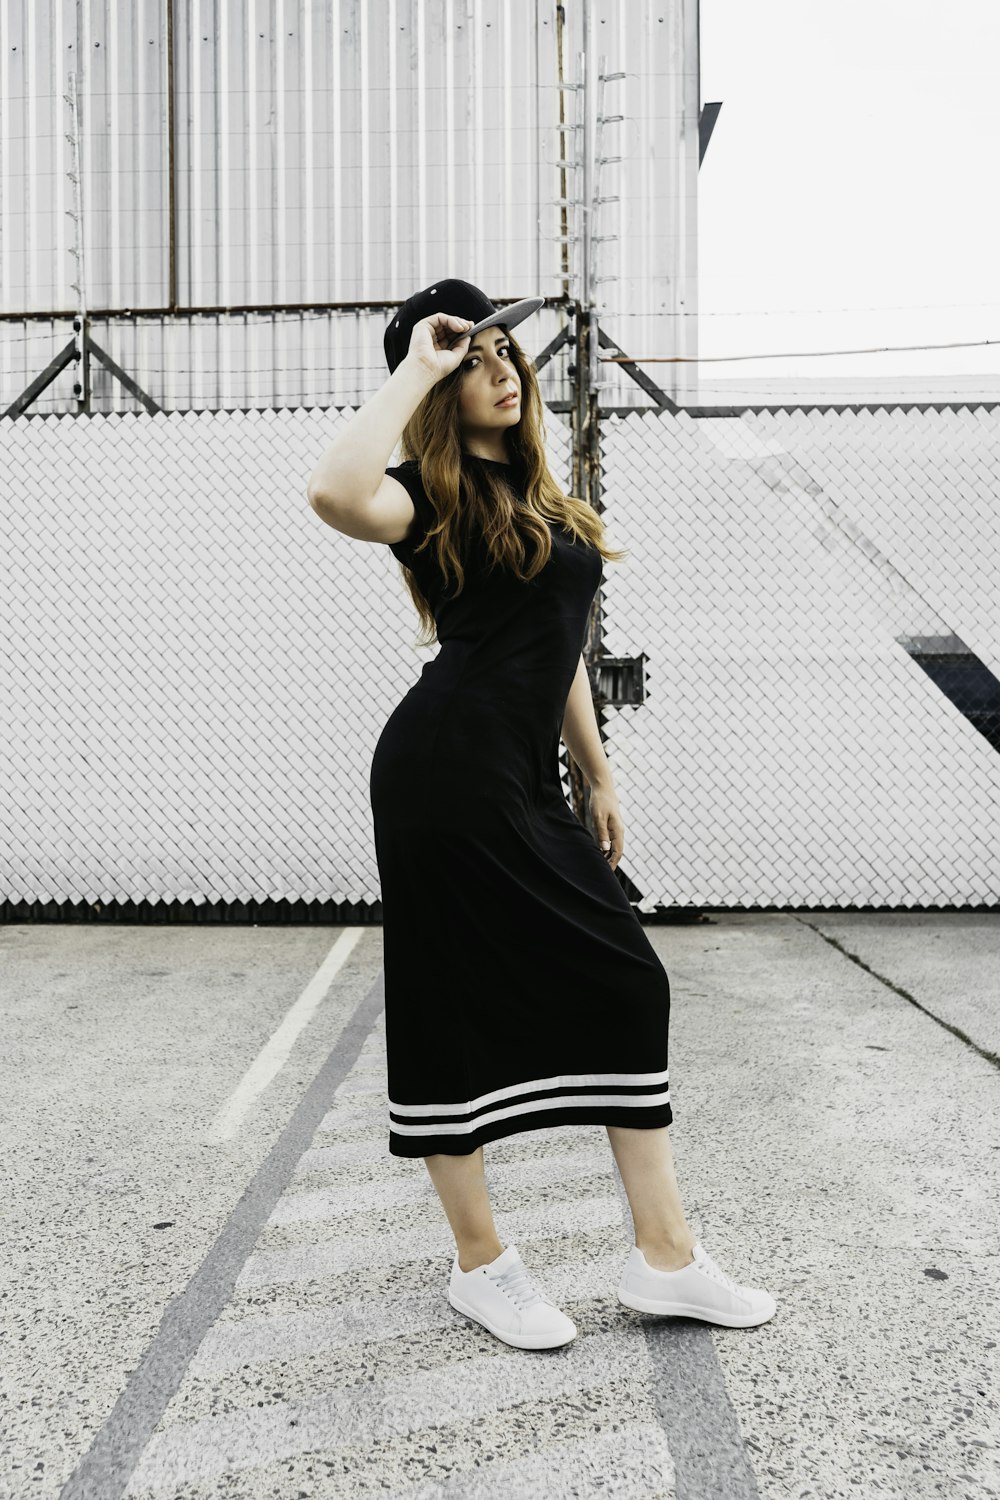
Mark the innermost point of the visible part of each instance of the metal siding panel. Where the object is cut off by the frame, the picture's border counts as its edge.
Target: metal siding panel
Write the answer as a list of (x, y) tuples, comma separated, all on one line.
[(346, 152), (35, 234), (14, 123), (648, 269), (118, 60), (442, 159), (404, 52)]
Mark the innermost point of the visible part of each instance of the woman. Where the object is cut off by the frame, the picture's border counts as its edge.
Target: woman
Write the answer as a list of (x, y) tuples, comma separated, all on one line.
[(521, 990)]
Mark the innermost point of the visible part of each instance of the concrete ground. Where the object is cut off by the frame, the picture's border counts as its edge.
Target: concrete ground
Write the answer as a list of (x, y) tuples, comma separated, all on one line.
[(218, 1282)]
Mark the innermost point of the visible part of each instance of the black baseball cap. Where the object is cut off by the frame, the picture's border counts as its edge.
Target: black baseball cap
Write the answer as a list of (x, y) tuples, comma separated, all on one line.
[(460, 299)]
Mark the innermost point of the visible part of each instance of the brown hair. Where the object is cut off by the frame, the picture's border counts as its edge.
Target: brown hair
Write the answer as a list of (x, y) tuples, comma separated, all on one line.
[(480, 500)]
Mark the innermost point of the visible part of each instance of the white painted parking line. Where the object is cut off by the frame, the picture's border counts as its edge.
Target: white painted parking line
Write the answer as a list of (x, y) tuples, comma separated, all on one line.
[(338, 1422), (105, 1468), (274, 1054)]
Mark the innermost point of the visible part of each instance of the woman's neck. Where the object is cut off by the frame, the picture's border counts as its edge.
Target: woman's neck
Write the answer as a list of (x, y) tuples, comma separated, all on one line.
[(486, 457)]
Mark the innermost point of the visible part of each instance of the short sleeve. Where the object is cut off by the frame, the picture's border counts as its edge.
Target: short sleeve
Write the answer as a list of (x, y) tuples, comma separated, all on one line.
[(408, 475)]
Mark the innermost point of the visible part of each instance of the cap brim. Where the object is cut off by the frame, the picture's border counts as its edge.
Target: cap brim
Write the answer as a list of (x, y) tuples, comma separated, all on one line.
[(508, 316)]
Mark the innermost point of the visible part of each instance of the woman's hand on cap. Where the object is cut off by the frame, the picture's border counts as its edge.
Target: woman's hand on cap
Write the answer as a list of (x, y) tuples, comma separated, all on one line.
[(429, 344)]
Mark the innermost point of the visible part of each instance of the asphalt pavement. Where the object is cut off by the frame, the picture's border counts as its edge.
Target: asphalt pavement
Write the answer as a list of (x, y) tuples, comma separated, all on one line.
[(218, 1282)]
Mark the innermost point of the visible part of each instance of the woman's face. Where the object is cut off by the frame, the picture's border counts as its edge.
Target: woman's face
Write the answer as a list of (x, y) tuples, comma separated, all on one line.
[(488, 375)]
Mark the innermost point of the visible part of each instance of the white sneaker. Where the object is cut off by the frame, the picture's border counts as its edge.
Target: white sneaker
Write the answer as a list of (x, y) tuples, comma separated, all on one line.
[(698, 1290), (503, 1298)]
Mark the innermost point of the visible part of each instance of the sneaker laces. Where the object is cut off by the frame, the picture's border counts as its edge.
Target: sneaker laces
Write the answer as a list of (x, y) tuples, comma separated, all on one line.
[(705, 1263), (518, 1285)]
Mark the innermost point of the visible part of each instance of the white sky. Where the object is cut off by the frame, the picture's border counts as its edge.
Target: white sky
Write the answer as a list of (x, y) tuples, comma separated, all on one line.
[(853, 169)]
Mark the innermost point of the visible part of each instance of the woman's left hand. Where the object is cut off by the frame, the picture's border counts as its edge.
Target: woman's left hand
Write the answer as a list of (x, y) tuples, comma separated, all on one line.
[(607, 818)]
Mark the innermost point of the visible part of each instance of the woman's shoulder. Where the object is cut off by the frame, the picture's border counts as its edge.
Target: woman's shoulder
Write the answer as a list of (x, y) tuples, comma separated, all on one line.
[(409, 475)]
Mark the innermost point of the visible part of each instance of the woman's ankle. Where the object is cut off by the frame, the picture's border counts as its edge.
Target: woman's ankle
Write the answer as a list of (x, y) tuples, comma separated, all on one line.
[(471, 1257), (668, 1251)]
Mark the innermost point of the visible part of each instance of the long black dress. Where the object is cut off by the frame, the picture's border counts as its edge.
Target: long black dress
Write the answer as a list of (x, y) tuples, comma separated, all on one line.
[(521, 990)]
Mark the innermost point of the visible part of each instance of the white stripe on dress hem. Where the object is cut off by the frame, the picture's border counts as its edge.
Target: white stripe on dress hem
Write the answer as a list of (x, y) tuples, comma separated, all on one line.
[(557, 1101), (559, 1081)]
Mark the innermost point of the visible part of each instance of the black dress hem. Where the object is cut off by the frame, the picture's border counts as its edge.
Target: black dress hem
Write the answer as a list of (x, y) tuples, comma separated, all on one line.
[(651, 1118)]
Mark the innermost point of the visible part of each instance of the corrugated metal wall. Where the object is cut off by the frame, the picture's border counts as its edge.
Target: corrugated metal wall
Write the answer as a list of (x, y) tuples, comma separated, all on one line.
[(237, 159)]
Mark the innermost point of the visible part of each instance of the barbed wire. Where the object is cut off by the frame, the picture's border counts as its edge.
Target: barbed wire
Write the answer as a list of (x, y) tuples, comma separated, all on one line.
[(304, 315), (796, 312), (221, 329), (717, 394), (707, 359)]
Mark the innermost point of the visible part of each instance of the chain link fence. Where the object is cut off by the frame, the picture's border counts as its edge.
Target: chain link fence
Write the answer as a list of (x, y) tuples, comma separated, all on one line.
[(796, 668), (814, 598)]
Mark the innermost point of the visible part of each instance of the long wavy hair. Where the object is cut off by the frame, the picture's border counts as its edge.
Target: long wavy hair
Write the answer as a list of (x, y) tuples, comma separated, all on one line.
[(474, 498)]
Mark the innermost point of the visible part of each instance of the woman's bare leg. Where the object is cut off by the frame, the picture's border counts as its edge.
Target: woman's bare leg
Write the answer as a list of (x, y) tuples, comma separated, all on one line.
[(646, 1162), (461, 1185)]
